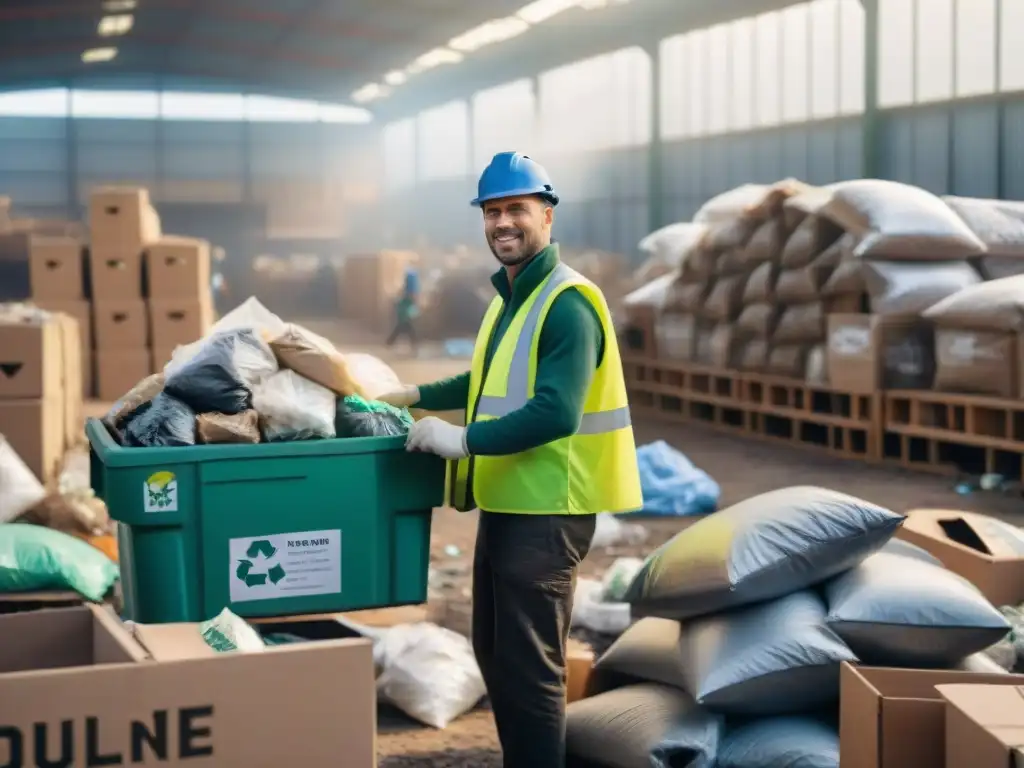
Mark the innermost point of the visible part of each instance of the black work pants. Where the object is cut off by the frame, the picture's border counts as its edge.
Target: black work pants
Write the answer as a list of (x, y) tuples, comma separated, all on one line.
[(403, 328), (524, 574)]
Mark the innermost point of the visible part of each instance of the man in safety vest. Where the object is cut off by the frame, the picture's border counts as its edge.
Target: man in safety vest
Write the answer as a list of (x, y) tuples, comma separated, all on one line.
[(548, 445)]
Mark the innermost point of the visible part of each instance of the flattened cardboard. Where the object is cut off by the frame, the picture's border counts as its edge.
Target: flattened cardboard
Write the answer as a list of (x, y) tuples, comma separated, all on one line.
[(178, 268), (56, 268), (895, 718), (992, 563), (984, 725), (122, 324), (176, 322), (117, 371), (35, 429), (115, 272), (31, 360)]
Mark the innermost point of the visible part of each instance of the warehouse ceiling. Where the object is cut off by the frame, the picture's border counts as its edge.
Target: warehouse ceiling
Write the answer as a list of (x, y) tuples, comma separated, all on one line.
[(321, 49)]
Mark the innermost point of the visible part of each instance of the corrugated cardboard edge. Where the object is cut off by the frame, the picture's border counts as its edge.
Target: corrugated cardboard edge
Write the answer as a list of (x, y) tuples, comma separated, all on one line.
[(105, 617)]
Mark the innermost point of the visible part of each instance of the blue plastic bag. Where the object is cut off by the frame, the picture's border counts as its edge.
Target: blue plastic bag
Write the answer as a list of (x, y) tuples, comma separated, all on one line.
[(672, 486)]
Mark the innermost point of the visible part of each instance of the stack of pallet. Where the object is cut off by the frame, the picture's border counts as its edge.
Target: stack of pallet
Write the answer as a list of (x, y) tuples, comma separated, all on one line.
[(40, 386)]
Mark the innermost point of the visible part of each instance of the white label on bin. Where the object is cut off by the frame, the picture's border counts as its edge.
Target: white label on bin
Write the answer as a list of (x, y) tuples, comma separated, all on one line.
[(160, 493), (285, 565)]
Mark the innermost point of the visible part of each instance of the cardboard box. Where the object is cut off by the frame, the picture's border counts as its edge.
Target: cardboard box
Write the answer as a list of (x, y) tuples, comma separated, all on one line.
[(369, 283), (121, 324), (579, 662), (984, 726), (56, 268), (161, 357), (79, 309), (895, 718), (179, 321), (122, 217), (869, 353), (977, 362), (35, 429), (115, 272), (178, 268), (19, 602), (71, 349), (161, 696), (973, 546), (118, 370), (31, 359)]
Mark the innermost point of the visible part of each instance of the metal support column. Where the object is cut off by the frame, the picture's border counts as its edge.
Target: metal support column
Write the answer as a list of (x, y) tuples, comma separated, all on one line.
[(871, 128), (655, 153)]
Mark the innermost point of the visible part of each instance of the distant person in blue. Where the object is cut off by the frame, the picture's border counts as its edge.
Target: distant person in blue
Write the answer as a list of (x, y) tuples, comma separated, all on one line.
[(407, 309), (218, 285)]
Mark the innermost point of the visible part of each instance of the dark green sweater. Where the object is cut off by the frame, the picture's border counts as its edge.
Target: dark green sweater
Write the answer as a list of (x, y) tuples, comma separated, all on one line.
[(570, 349)]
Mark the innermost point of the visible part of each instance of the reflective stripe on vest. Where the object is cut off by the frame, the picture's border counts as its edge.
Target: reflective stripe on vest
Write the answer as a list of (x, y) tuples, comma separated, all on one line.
[(517, 389)]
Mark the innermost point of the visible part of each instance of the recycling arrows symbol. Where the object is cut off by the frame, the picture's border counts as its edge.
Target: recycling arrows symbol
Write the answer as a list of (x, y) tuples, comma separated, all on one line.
[(259, 549)]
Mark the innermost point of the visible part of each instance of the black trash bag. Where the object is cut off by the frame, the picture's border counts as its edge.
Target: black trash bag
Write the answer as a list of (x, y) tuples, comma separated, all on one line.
[(356, 417), (222, 373), (129, 406), (162, 422)]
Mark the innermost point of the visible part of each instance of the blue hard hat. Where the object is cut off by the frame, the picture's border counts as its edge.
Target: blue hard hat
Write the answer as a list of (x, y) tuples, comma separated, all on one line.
[(512, 174)]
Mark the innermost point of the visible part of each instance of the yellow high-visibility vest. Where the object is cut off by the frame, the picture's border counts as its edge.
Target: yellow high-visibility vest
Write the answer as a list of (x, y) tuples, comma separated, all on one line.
[(595, 469)]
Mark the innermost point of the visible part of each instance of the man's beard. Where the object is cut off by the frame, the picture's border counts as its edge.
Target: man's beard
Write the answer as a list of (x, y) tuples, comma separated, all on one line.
[(524, 252)]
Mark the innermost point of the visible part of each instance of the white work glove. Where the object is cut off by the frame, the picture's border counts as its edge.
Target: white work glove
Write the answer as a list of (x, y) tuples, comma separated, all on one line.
[(434, 435), (406, 397)]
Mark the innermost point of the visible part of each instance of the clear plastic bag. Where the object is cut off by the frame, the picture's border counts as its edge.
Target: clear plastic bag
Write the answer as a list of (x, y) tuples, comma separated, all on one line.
[(357, 417), (590, 611), (428, 672), (222, 373), (20, 490), (294, 408), (227, 632)]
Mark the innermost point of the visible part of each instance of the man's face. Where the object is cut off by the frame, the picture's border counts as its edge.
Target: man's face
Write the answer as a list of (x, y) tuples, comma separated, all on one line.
[(517, 228)]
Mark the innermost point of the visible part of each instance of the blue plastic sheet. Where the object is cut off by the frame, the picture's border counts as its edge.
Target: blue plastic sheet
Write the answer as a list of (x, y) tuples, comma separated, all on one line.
[(672, 485)]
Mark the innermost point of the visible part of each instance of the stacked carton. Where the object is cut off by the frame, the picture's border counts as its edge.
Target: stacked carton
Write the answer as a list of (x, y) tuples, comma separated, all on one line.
[(40, 387), (180, 303), (368, 285), (122, 223)]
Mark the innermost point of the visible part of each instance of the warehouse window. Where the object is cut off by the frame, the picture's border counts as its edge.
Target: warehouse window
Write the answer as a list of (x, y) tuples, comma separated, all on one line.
[(399, 147), (975, 46), (851, 57), (271, 109), (1011, 60), (52, 102), (795, 64), (768, 40), (895, 52), (139, 105), (202, 106), (504, 119), (672, 60), (825, 84), (697, 84), (934, 21), (442, 142), (742, 79), (719, 78)]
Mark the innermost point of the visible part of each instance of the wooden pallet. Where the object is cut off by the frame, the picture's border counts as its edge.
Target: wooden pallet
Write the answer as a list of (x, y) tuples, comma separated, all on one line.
[(948, 433), (765, 407)]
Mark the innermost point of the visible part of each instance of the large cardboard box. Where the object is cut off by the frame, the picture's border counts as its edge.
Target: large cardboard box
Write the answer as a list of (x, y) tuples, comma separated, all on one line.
[(160, 696), (984, 726), (895, 718), (79, 309), (179, 321), (35, 429), (869, 353), (579, 663), (122, 217), (973, 546), (31, 359), (56, 268), (178, 268), (122, 324), (71, 350), (977, 362), (368, 285), (115, 272), (118, 370)]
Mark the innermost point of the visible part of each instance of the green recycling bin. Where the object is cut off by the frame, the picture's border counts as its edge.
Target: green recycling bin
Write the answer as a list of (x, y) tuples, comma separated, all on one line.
[(274, 529)]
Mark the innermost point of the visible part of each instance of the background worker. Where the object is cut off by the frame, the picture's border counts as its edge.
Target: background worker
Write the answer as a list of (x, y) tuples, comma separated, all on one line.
[(548, 445), (407, 309)]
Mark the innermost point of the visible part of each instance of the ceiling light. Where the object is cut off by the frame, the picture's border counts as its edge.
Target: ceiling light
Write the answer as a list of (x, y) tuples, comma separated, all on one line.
[(432, 59), (395, 77), (119, 5), (95, 55), (489, 33), (110, 26), (369, 92), (542, 10)]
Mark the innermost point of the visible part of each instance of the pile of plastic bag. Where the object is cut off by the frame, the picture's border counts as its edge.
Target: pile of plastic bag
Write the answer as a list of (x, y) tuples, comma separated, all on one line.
[(744, 619), (255, 378)]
